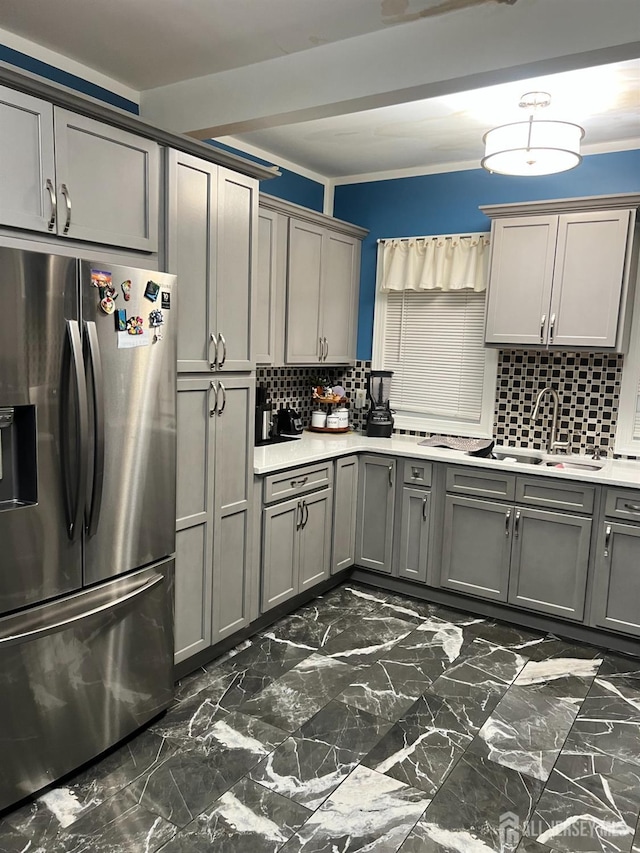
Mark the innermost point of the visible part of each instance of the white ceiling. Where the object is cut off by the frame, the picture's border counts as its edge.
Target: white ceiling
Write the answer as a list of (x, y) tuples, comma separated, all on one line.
[(149, 43), (441, 132), (331, 85)]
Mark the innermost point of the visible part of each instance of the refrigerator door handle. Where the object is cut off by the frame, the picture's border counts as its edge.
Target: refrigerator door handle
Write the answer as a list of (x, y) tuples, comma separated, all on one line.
[(95, 363), (75, 502), (61, 625)]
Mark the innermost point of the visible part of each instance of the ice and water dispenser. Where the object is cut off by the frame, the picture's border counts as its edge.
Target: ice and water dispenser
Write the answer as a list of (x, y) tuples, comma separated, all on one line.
[(18, 473)]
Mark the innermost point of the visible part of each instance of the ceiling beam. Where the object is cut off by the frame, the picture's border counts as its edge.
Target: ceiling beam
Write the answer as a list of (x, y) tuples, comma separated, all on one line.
[(483, 45)]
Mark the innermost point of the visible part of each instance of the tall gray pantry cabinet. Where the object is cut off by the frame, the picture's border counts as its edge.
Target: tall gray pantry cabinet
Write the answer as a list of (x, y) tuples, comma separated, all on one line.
[(211, 239)]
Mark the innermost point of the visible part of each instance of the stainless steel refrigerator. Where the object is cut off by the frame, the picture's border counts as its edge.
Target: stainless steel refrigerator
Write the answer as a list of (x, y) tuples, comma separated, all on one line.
[(87, 510)]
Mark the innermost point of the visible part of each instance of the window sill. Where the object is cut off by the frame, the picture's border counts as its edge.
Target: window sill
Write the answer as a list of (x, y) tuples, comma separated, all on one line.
[(422, 423)]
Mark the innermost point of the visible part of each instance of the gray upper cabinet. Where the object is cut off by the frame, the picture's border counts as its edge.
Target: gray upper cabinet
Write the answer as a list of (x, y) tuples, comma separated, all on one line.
[(214, 479), (476, 547), (211, 247), (304, 311), (107, 183), (101, 185), (344, 513), (268, 329), (27, 168), (550, 556), (374, 527), (308, 282), (561, 278), (616, 589)]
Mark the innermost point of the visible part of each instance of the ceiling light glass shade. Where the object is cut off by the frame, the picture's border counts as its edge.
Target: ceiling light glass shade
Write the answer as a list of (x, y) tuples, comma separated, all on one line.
[(532, 148)]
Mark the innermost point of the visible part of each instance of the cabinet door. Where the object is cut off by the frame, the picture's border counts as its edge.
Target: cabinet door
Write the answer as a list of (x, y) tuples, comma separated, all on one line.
[(233, 472), (414, 534), (194, 525), (26, 162), (237, 244), (340, 285), (107, 183), (264, 329), (476, 547), (315, 539), (280, 552), (345, 503), (374, 529), (519, 297), (191, 244), (304, 288), (616, 592), (549, 562), (588, 278)]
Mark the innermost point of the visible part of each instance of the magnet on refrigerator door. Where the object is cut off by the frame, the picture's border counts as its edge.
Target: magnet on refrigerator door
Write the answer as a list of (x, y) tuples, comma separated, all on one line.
[(121, 320), (151, 291), (126, 289)]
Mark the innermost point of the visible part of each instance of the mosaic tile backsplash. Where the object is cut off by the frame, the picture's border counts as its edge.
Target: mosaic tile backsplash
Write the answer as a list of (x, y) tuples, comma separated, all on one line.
[(588, 385)]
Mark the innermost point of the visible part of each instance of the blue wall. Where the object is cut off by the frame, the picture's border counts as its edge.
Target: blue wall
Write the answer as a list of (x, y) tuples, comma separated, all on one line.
[(50, 72), (290, 186), (448, 203)]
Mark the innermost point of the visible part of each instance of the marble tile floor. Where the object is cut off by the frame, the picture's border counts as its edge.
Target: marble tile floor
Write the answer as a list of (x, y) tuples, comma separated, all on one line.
[(369, 721)]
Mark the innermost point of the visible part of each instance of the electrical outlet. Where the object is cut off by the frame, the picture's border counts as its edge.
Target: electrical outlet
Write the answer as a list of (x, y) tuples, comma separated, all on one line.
[(360, 398)]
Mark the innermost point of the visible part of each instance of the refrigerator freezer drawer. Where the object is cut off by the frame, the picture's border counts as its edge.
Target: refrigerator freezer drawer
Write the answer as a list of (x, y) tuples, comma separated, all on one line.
[(81, 673)]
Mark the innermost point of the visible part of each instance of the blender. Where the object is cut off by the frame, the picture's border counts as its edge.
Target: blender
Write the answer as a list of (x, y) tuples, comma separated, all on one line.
[(379, 418)]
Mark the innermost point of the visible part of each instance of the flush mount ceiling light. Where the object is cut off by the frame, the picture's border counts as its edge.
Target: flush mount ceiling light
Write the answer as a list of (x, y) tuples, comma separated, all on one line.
[(533, 147)]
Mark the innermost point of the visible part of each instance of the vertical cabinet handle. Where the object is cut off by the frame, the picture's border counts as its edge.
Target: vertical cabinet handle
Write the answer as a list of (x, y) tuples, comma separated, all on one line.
[(51, 224), (222, 341), (424, 508), (516, 527), (552, 324), (320, 357), (507, 523), (64, 190), (390, 475), (305, 510), (607, 540), (326, 349), (299, 516), (224, 398), (212, 411), (543, 322), (213, 339)]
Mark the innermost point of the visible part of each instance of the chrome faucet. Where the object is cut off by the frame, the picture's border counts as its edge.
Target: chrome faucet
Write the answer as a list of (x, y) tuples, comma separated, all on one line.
[(553, 444)]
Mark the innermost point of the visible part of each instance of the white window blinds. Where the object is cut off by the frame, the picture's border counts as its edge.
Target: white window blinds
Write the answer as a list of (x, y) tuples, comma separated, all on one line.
[(434, 343)]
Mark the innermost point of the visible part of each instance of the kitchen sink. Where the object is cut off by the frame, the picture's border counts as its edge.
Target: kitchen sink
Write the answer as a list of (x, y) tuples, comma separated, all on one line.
[(548, 460)]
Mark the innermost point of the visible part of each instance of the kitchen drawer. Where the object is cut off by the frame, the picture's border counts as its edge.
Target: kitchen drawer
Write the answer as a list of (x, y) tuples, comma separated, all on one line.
[(623, 503), (297, 481), (475, 481), (572, 496), (417, 472)]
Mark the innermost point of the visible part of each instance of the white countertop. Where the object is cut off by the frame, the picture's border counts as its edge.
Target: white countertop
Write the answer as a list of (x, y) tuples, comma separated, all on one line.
[(313, 447)]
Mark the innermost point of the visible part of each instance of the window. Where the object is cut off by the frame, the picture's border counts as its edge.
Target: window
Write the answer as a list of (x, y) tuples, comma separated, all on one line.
[(628, 428), (443, 376)]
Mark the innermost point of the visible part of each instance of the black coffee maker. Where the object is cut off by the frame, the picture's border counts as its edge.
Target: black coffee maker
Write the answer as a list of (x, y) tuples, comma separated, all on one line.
[(379, 418)]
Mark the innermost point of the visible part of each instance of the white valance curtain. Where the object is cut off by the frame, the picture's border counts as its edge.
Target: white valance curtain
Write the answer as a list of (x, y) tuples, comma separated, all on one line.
[(447, 262)]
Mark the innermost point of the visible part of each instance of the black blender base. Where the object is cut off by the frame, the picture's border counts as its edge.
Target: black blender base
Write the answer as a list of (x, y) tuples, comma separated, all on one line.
[(375, 430)]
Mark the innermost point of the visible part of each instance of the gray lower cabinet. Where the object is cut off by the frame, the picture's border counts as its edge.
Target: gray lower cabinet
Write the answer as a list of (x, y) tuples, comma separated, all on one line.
[(345, 505), (296, 546), (75, 177), (214, 484), (414, 534), (476, 547), (549, 561), (374, 526), (212, 224), (616, 589)]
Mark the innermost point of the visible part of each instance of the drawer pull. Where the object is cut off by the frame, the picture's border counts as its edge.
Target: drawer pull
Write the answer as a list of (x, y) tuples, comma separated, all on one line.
[(424, 508), (300, 482), (607, 539), (507, 522), (415, 473), (516, 529), (632, 507)]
